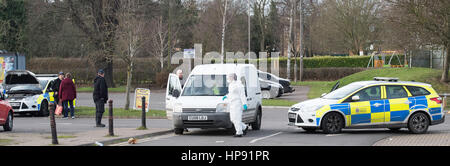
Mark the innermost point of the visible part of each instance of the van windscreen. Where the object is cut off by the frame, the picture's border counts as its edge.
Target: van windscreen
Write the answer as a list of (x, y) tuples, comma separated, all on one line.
[(206, 85)]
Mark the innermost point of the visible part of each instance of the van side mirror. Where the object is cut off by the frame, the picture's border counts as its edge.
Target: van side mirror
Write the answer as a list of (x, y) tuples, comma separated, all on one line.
[(356, 98), (176, 93)]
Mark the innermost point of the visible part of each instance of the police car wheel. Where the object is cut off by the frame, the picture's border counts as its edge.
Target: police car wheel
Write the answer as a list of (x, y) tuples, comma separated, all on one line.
[(179, 131), (8, 126), (309, 129), (332, 123), (44, 109), (418, 123)]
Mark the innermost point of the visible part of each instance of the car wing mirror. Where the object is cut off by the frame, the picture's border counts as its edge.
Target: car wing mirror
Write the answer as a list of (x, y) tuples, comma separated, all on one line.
[(176, 93), (356, 98)]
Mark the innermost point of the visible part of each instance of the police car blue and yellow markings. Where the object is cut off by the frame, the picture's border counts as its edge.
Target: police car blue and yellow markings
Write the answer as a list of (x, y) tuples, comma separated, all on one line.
[(385, 110)]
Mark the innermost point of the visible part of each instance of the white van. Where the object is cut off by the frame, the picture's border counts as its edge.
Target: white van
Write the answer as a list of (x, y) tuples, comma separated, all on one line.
[(199, 104)]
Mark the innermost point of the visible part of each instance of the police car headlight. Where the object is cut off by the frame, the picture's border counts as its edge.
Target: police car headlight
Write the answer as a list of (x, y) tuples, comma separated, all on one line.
[(294, 109), (222, 107), (178, 108)]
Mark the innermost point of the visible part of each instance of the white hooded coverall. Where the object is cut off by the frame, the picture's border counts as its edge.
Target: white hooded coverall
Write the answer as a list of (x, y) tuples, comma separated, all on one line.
[(236, 100)]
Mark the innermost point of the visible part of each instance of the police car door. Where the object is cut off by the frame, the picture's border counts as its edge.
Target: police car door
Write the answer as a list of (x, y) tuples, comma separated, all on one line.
[(370, 107), (173, 83), (399, 103)]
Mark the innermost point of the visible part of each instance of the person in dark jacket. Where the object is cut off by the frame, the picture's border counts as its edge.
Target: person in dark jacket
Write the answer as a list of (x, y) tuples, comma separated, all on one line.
[(55, 87), (67, 93), (100, 97)]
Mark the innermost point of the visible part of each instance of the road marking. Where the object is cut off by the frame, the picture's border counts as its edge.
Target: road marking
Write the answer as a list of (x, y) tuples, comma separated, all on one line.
[(259, 139), (220, 141), (332, 135)]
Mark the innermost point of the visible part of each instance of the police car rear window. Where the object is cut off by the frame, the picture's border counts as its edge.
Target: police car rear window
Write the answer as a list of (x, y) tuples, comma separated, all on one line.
[(417, 91)]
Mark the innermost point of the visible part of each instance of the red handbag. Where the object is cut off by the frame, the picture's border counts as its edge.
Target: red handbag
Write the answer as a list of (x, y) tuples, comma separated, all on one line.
[(58, 110)]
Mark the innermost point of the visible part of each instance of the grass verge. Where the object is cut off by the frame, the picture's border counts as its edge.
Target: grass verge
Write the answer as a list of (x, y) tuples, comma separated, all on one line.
[(62, 137), (278, 102), (4, 142), (89, 112), (120, 89)]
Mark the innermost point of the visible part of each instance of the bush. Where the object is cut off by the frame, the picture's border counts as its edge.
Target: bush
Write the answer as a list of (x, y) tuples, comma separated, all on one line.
[(144, 73)]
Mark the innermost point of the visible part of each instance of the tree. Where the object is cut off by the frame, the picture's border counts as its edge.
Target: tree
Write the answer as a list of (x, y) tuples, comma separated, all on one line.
[(98, 20), (259, 8), (159, 39), (131, 38), (430, 18), (12, 25)]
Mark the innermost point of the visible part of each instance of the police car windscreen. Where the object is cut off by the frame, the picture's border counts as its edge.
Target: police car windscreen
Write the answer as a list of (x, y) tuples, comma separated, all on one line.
[(206, 85), (342, 92)]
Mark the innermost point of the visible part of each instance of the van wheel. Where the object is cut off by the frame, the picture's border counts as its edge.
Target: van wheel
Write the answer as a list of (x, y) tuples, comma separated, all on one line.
[(332, 123), (9, 122), (44, 109), (231, 130), (179, 131), (418, 123), (257, 124)]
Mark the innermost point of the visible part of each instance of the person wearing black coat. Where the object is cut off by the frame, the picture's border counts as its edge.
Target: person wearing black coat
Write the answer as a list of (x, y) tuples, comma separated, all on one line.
[(55, 87), (100, 97)]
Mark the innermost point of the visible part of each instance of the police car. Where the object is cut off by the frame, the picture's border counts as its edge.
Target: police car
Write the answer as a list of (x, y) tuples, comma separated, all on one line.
[(381, 103), (28, 92)]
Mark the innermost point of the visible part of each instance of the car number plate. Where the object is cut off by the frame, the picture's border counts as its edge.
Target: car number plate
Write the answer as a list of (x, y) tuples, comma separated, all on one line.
[(15, 104), (197, 118), (291, 116)]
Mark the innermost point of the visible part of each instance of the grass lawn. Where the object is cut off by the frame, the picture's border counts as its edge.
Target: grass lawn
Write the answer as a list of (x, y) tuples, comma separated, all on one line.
[(4, 142), (277, 102), (426, 75), (120, 89), (119, 113)]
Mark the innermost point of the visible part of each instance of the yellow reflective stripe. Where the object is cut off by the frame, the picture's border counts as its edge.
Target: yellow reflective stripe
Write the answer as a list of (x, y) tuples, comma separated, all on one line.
[(377, 117), (407, 91), (360, 107), (322, 111), (349, 120), (399, 104), (383, 92), (387, 116)]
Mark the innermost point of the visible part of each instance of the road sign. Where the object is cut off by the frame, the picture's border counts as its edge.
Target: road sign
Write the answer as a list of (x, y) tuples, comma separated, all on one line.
[(189, 54), (138, 94)]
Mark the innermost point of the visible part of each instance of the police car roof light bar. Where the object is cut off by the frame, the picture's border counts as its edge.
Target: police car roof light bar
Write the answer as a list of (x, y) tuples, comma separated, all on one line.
[(388, 79)]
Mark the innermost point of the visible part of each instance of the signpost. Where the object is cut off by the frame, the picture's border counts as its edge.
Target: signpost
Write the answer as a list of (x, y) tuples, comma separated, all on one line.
[(138, 94)]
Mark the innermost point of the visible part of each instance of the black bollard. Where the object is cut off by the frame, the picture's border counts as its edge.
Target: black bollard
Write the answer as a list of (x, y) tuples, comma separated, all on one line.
[(144, 125), (111, 118), (53, 124)]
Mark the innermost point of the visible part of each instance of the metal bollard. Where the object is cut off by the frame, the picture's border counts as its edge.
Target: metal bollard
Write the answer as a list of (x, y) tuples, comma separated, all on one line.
[(111, 118), (53, 124), (144, 125)]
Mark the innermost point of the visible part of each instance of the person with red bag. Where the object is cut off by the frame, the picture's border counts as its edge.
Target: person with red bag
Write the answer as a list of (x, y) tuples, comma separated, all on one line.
[(68, 93)]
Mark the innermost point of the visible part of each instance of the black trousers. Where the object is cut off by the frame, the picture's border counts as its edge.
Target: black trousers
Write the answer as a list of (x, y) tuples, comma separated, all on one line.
[(99, 110)]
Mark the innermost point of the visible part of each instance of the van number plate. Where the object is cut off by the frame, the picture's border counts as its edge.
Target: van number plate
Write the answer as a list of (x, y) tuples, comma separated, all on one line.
[(197, 118)]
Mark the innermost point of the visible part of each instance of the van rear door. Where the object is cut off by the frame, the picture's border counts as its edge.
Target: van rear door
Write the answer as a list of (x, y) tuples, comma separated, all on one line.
[(173, 83)]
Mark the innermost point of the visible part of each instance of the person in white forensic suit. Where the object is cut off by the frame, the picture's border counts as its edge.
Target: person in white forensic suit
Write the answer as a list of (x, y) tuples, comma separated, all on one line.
[(237, 103)]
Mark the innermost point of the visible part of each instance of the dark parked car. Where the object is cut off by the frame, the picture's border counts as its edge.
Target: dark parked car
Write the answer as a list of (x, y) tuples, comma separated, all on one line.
[(284, 82), (270, 89)]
